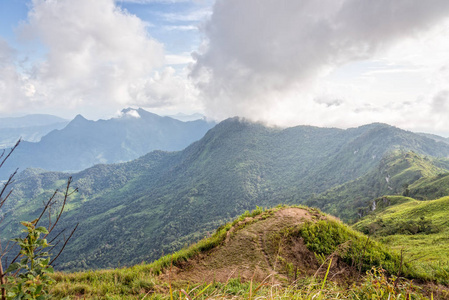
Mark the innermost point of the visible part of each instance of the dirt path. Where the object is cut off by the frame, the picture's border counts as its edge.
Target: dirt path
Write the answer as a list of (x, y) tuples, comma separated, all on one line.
[(244, 252)]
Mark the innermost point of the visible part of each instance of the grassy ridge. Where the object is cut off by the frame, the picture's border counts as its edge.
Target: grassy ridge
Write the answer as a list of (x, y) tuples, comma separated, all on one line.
[(322, 237), (397, 169), (419, 228)]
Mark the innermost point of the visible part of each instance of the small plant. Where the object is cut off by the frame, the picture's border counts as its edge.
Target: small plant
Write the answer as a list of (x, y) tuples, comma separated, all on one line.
[(32, 280), (377, 285), (27, 275)]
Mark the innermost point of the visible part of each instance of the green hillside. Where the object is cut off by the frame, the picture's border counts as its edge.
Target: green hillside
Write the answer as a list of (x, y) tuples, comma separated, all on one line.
[(431, 188), (399, 172), (164, 200), (419, 228)]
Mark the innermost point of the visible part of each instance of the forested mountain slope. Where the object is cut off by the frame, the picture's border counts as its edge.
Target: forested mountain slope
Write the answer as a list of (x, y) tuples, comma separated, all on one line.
[(136, 211)]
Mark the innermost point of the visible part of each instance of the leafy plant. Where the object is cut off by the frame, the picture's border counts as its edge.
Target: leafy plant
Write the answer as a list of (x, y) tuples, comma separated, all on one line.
[(33, 280)]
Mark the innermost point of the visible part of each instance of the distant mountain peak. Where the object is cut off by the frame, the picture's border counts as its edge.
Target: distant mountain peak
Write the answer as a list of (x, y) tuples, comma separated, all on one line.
[(79, 117), (78, 121), (131, 113)]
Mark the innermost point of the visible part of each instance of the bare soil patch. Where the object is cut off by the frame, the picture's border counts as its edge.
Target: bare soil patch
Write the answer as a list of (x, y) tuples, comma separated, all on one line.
[(253, 250)]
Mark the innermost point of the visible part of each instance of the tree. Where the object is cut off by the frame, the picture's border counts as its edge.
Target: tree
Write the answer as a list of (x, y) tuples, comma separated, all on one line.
[(406, 190), (31, 264)]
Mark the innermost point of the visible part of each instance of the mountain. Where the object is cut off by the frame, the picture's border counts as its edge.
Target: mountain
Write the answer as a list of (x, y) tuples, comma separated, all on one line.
[(163, 200), (83, 143), (435, 137), (35, 120), (30, 128)]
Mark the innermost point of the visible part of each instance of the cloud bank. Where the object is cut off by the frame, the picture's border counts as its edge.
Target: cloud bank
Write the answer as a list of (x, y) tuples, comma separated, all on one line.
[(271, 59), (94, 54)]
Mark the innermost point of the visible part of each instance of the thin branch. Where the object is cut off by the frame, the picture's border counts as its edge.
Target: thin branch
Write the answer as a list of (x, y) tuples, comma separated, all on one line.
[(15, 258), (54, 246), (65, 243), (10, 152), (47, 206), (66, 195), (53, 239), (5, 186), (2, 281)]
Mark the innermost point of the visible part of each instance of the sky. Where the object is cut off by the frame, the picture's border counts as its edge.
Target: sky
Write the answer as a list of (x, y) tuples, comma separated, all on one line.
[(332, 63)]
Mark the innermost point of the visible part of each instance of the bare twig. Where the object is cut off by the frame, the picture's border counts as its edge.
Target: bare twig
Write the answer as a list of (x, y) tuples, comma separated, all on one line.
[(2, 281), (65, 243), (67, 194), (10, 152), (47, 205), (53, 239), (5, 186)]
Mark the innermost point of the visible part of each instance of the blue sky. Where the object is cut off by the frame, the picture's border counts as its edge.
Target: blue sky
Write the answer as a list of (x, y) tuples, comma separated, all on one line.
[(339, 63)]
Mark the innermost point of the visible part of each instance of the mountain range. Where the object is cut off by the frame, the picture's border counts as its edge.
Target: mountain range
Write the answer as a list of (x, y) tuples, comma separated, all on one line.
[(84, 143), (30, 128), (138, 210)]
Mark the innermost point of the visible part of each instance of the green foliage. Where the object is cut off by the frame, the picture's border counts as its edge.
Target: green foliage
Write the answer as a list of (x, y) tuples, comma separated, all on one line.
[(380, 228), (399, 172), (429, 188), (31, 279), (326, 237), (114, 284), (421, 228), (378, 285)]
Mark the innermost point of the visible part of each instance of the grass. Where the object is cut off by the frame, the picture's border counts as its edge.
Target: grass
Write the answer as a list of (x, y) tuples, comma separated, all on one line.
[(323, 237), (427, 250), (136, 283)]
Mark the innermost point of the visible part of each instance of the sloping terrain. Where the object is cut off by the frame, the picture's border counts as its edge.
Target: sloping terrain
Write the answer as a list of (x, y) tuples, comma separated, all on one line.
[(164, 200), (394, 210), (280, 253), (399, 172), (419, 228), (252, 250)]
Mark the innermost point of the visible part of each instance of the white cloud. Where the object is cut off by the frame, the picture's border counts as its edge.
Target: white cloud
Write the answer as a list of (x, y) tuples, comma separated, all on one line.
[(152, 1), (181, 27), (166, 89), (12, 92), (95, 56), (271, 60), (95, 51), (192, 16), (178, 59)]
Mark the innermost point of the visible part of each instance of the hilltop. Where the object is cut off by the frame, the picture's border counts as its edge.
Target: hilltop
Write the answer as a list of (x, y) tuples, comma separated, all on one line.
[(279, 253)]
